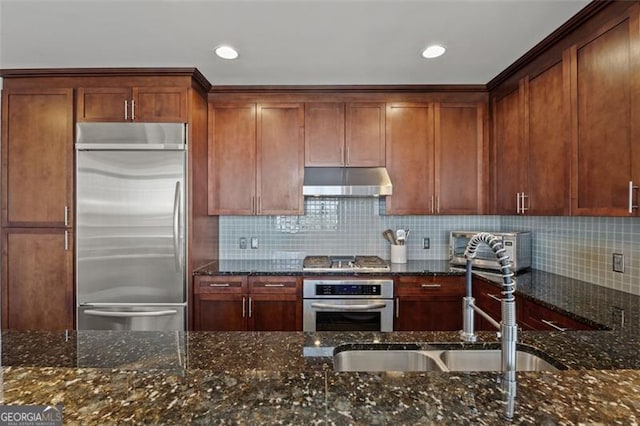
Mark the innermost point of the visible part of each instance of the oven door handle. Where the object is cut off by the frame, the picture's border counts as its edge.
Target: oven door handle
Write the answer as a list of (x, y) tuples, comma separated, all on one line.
[(349, 307)]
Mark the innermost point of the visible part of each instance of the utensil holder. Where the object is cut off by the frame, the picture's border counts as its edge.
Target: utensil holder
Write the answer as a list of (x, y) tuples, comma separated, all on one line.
[(398, 254)]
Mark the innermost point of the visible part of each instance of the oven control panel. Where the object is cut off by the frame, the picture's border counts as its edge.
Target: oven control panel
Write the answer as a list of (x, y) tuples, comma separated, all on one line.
[(348, 290)]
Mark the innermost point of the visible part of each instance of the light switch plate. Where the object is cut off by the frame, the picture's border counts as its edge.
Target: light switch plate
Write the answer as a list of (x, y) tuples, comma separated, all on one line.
[(618, 262), (243, 243), (254, 242)]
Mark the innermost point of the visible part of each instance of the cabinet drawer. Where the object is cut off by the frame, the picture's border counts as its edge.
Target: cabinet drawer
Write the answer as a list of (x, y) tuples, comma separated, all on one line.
[(537, 317), (430, 285), (231, 284), (279, 285)]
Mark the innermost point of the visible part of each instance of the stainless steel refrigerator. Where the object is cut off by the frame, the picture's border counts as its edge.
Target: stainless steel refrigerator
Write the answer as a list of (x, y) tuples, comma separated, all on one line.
[(130, 235)]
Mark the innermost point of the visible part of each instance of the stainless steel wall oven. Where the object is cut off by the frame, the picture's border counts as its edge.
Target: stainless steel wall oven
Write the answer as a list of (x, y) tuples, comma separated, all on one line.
[(347, 304)]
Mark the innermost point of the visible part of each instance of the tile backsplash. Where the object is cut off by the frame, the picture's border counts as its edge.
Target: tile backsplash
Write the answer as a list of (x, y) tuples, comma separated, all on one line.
[(577, 247)]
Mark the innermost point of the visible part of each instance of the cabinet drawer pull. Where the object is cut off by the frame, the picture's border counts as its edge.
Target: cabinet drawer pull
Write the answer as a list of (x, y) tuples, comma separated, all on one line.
[(249, 307), (494, 297), (430, 285), (397, 307), (551, 324), (244, 311), (126, 110), (274, 285), (133, 110), (219, 285), (66, 215)]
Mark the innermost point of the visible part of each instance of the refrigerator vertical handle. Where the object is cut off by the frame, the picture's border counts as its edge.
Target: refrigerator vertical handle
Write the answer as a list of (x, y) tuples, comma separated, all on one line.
[(176, 227)]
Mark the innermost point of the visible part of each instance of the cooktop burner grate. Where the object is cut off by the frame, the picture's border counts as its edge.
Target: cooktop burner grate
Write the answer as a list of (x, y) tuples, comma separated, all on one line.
[(373, 263)]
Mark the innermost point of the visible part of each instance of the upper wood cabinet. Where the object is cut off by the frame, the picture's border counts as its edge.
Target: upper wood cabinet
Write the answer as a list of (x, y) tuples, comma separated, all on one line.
[(459, 158), (37, 157), (142, 104), (256, 159), (339, 134), (605, 94), (435, 158), (532, 145)]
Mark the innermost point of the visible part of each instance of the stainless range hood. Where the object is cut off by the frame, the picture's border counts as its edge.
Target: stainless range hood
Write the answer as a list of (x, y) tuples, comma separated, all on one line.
[(346, 181)]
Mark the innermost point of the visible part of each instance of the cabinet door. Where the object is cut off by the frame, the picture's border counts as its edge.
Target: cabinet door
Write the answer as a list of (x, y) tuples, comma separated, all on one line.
[(459, 153), (159, 104), (548, 142), (37, 157), (232, 159), (429, 303), (410, 158), (365, 134), (37, 272), (604, 71), (104, 104), (220, 303), (507, 151), (324, 134), (274, 312), (220, 312), (280, 159)]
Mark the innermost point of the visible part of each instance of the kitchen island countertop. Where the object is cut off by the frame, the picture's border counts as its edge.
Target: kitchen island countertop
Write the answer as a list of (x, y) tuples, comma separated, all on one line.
[(270, 377)]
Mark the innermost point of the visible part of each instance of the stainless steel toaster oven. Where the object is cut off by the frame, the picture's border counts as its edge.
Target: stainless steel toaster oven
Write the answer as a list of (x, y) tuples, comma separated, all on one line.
[(516, 244)]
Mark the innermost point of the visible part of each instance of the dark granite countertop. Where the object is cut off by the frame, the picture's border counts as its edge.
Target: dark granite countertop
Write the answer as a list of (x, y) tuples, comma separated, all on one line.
[(294, 267), (286, 378)]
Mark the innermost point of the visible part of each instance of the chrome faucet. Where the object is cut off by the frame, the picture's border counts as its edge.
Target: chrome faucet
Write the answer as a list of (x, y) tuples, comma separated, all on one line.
[(508, 327)]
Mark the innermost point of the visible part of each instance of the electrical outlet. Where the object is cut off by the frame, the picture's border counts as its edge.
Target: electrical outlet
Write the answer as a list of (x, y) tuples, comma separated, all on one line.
[(618, 262), (243, 243), (254, 242), (426, 243)]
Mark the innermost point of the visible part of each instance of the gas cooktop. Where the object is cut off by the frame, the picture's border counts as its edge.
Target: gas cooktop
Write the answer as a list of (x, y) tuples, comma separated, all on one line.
[(344, 263)]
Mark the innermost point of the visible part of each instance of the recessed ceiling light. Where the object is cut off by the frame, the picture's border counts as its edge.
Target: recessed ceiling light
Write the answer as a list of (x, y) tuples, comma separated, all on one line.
[(226, 52), (433, 51)]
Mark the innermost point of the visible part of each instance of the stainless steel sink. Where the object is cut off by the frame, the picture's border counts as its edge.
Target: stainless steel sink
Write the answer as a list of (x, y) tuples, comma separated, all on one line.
[(490, 360), (385, 360), (433, 360)]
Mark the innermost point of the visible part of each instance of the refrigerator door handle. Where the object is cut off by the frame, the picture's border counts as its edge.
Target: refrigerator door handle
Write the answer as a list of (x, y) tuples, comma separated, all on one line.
[(176, 227), (130, 314)]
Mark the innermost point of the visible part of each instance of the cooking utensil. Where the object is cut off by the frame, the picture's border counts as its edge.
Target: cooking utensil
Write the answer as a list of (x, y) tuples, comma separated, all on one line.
[(400, 236), (389, 236)]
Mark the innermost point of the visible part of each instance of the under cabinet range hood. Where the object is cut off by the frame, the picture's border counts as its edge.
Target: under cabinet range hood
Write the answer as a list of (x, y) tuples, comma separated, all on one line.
[(346, 182)]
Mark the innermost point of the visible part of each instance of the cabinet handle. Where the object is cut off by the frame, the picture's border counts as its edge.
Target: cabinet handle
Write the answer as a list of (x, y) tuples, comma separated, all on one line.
[(259, 208), (430, 285), (551, 324), (249, 307), (133, 110), (432, 205), (343, 160), (437, 204), (219, 285), (524, 209), (348, 156), (253, 203), (397, 307), (632, 187), (244, 311), (66, 240), (126, 110), (66, 215), (518, 203), (274, 285), (494, 297)]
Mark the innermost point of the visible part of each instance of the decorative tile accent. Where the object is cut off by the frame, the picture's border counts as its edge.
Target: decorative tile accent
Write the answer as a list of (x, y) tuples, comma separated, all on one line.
[(576, 247)]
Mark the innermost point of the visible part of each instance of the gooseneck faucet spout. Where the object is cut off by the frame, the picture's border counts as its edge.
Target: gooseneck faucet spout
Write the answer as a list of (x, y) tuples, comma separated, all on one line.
[(508, 327)]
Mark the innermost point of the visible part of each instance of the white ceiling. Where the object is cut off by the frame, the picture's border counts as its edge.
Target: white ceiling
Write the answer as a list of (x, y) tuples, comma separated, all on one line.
[(283, 42)]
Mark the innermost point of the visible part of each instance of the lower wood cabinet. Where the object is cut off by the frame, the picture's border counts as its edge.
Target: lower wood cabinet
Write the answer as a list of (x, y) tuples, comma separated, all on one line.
[(429, 303), (530, 315), (240, 303), (37, 268)]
